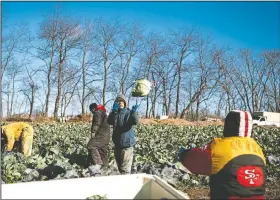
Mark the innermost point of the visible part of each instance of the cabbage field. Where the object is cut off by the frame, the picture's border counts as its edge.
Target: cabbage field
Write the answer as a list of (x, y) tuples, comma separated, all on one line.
[(59, 152)]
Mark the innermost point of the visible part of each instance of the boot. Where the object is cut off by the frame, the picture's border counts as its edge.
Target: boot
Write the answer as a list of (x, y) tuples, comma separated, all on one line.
[(95, 170)]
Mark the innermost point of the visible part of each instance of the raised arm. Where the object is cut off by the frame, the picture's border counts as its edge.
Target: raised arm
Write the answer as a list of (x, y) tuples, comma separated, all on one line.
[(133, 117), (198, 160)]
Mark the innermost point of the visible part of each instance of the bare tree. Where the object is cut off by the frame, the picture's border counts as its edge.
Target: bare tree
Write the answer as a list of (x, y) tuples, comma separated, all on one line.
[(11, 82), (182, 42), (68, 93), (245, 77), (46, 50), (88, 60), (68, 36), (272, 64), (29, 88), (130, 45), (108, 33), (13, 44), (206, 68), (150, 61)]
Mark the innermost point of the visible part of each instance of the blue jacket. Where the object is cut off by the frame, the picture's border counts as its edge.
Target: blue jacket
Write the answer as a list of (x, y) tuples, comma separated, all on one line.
[(123, 121)]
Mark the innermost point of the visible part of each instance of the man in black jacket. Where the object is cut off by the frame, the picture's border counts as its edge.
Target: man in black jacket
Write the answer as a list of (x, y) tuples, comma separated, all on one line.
[(100, 137)]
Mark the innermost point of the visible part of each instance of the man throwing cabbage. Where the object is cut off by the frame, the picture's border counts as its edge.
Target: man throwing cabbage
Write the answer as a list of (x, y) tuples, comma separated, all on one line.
[(122, 119)]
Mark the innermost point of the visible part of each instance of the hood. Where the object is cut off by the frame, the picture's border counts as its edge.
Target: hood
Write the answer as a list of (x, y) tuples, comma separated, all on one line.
[(121, 96), (100, 107), (238, 123)]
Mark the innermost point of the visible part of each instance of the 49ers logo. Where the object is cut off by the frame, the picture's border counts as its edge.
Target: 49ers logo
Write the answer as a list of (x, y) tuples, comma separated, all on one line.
[(250, 176)]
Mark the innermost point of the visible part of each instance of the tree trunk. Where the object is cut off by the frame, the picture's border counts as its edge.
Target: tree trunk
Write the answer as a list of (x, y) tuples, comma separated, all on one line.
[(178, 92), (164, 97), (57, 100), (32, 101), (48, 91), (104, 82), (123, 87), (197, 109), (84, 84), (147, 107)]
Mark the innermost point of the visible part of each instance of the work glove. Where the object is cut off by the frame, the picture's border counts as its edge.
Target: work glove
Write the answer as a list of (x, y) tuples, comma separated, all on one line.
[(135, 108), (183, 152), (192, 145), (116, 107)]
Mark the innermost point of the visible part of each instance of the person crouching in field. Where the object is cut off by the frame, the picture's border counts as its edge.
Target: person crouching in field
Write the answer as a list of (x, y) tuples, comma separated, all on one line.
[(17, 134), (123, 119), (100, 136), (235, 163)]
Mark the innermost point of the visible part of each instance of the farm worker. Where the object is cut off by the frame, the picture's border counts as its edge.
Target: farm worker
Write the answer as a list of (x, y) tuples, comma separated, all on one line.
[(100, 136), (18, 132), (235, 163), (123, 119)]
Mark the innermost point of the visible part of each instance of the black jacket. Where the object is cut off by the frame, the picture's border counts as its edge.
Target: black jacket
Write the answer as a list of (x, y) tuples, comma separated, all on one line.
[(100, 129)]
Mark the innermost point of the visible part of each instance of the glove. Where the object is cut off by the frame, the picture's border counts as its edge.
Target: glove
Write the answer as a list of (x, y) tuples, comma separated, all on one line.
[(183, 152), (135, 108), (180, 154), (192, 145), (116, 107)]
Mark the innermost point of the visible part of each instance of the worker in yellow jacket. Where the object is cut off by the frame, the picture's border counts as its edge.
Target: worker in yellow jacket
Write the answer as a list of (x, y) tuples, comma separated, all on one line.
[(235, 163), (18, 132)]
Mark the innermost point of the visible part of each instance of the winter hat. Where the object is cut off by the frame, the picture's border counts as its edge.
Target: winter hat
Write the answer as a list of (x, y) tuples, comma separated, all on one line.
[(121, 97), (92, 106), (238, 123)]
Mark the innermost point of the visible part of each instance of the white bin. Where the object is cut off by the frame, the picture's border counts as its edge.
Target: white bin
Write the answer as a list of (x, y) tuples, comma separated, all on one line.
[(136, 186)]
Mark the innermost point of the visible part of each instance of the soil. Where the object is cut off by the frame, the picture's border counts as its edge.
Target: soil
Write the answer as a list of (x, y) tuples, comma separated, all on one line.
[(198, 193), (272, 191)]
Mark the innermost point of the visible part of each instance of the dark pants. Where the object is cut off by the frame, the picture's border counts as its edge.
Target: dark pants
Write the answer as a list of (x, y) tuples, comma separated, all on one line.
[(4, 143), (124, 159), (97, 155)]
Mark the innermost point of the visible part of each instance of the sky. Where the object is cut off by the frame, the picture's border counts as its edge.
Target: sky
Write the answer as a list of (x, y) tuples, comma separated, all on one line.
[(249, 25), (254, 25)]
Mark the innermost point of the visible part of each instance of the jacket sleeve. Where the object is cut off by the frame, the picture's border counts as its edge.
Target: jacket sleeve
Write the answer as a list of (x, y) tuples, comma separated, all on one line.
[(133, 118), (96, 123), (198, 160), (111, 118)]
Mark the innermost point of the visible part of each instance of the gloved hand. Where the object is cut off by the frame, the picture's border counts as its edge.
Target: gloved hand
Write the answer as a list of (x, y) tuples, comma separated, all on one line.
[(192, 145), (116, 107), (181, 153), (135, 108)]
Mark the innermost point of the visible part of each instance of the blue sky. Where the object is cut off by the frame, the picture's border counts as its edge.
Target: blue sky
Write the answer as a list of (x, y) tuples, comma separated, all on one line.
[(254, 25)]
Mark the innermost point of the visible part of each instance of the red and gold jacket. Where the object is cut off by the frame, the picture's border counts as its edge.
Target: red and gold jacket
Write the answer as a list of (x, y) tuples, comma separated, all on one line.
[(235, 163)]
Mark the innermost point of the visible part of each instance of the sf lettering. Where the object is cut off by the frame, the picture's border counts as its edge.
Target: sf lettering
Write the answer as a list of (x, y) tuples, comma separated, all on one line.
[(251, 175)]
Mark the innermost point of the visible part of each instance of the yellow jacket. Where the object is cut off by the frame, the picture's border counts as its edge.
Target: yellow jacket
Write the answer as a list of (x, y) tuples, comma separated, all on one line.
[(20, 132)]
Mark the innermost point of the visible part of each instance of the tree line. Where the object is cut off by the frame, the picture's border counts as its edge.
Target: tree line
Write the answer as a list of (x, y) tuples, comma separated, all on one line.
[(76, 62)]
